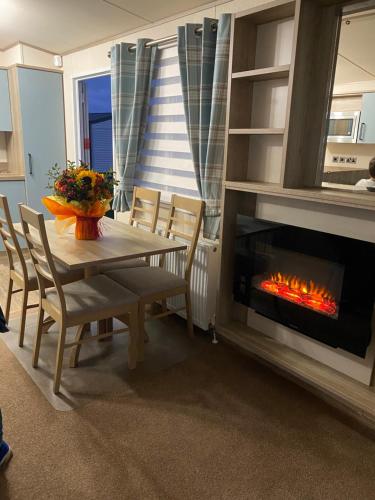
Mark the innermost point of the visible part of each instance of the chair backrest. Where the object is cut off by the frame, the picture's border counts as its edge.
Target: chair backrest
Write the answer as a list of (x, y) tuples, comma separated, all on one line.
[(9, 237), (145, 208), (35, 233), (184, 222)]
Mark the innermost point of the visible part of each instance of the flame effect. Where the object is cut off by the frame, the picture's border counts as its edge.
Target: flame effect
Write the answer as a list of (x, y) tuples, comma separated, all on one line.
[(302, 292)]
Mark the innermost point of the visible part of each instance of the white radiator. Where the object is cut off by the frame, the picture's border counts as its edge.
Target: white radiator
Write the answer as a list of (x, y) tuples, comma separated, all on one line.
[(203, 281)]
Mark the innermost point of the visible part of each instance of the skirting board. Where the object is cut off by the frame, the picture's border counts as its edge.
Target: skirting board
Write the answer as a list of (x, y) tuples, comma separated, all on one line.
[(356, 398)]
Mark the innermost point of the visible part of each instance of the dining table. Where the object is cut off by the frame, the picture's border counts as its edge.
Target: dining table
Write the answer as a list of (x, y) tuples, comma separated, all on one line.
[(119, 242)]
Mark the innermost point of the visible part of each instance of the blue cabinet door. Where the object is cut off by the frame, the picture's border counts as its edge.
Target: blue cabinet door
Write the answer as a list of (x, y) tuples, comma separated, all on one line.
[(5, 116), (366, 134), (43, 125)]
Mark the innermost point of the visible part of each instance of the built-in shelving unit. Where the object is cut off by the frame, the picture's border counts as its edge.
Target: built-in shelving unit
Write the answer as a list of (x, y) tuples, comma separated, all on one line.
[(282, 61)]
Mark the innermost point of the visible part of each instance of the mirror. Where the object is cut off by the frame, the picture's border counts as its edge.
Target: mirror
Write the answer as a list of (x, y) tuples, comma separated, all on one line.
[(351, 128)]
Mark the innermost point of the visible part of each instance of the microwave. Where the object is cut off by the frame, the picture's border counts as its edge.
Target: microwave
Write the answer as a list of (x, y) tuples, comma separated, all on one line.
[(343, 126)]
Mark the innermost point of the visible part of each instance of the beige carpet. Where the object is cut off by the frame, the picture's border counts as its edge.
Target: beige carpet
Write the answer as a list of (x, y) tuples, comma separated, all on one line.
[(215, 426)]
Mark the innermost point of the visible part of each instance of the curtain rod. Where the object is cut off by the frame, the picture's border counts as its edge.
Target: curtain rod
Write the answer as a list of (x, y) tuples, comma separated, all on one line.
[(167, 39)]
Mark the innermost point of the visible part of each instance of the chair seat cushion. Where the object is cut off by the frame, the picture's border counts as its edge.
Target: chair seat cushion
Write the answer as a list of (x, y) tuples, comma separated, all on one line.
[(94, 298), (126, 264), (145, 281), (66, 276)]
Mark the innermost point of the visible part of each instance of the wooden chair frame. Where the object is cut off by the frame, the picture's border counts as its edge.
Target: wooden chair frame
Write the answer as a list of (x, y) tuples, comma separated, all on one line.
[(14, 251), (183, 206), (137, 212), (46, 273)]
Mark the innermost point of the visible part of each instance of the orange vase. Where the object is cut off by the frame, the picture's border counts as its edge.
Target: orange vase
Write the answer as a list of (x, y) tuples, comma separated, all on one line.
[(87, 228)]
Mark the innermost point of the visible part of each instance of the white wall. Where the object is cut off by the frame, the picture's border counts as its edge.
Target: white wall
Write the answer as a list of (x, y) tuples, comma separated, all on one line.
[(94, 59)]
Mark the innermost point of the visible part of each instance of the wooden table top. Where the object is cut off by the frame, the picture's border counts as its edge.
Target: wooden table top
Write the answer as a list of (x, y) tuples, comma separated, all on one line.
[(120, 241)]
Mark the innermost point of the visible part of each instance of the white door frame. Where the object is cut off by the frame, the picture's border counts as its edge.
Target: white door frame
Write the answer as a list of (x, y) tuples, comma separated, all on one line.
[(77, 109)]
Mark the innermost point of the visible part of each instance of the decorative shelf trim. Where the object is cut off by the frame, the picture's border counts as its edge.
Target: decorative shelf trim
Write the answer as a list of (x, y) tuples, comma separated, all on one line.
[(365, 201), (271, 73), (256, 131)]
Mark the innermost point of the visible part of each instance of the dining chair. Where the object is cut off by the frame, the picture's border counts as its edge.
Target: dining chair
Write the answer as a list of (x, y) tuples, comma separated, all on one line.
[(21, 269), (75, 304), (144, 213), (153, 284)]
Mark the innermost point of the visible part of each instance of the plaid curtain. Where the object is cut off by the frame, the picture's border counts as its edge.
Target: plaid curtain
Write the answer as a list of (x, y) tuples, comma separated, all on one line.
[(131, 75), (203, 60)]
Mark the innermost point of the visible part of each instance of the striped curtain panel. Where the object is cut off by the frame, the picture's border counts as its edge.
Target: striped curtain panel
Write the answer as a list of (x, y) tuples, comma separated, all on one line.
[(131, 75), (203, 60)]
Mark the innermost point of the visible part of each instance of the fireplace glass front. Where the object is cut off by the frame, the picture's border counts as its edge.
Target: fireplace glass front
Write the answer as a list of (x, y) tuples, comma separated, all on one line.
[(319, 284)]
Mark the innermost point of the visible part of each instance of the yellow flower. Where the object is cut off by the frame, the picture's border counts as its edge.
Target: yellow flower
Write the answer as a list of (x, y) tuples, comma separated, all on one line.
[(88, 173)]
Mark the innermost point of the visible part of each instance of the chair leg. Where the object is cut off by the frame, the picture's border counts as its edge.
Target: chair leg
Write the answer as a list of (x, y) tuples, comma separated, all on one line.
[(9, 299), (38, 337), (74, 354), (141, 332), (25, 295), (59, 359), (133, 338), (164, 305), (189, 317)]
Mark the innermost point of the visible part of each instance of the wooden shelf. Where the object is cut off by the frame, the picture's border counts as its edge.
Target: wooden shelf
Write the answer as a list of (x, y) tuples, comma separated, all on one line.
[(354, 396), (364, 201), (256, 131), (271, 73)]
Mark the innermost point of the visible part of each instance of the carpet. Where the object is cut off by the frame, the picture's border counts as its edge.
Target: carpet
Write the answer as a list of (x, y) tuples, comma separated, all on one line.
[(216, 425)]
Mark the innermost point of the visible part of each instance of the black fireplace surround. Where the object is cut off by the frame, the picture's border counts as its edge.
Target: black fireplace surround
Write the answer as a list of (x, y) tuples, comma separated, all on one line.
[(318, 284)]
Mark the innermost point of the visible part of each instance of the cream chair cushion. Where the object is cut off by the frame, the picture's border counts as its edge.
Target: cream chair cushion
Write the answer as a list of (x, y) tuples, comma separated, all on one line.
[(94, 298), (126, 264), (66, 276), (145, 281)]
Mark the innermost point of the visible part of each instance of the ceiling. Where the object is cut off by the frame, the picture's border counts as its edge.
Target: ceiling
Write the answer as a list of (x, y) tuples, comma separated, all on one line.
[(64, 25), (356, 60)]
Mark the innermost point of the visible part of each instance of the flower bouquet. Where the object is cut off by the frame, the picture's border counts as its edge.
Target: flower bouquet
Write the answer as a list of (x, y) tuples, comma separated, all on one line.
[(81, 196)]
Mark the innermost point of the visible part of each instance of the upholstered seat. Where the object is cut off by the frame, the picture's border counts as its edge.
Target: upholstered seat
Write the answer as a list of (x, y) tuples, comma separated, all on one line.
[(126, 264), (92, 299), (66, 276), (147, 281)]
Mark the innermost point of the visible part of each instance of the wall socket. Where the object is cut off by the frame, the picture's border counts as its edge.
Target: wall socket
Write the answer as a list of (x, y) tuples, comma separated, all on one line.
[(342, 159)]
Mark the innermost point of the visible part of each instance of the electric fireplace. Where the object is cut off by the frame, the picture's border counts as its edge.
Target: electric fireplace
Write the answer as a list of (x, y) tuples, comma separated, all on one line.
[(318, 284)]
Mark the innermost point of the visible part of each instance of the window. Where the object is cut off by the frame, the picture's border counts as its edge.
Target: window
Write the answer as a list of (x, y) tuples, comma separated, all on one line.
[(96, 122), (165, 161)]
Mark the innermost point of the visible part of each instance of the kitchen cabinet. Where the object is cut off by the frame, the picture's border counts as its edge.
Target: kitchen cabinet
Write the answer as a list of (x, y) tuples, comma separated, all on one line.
[(41, 107), (5, 114), (366, 133)]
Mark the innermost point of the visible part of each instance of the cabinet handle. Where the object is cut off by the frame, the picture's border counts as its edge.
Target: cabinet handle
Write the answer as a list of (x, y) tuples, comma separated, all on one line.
[(362, 131), (30, 164)]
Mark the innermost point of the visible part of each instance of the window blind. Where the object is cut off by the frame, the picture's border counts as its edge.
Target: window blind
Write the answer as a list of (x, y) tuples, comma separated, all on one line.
[(165, 161)]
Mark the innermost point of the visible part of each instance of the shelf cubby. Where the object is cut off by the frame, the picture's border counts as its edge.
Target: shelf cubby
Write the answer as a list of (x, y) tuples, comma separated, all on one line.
[(262, 41)]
